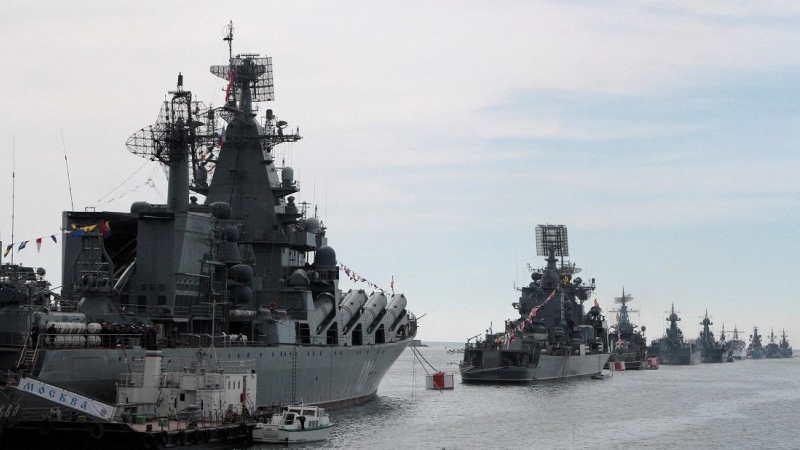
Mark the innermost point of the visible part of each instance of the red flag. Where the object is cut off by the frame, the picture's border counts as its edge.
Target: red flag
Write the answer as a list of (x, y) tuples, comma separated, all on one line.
[(38, 244), (229, 89), (105, 228)]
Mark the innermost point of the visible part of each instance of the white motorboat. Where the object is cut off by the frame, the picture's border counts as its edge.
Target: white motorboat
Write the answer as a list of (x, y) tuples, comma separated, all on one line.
[(298, 423)]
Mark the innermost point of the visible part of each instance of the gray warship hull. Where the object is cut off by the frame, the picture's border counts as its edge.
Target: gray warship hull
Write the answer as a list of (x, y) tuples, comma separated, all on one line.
[(680, 358), (548, 368), (331, 377)]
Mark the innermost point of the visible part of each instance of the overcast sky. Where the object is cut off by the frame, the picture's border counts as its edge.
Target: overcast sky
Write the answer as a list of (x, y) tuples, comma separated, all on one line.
[(437, 135)]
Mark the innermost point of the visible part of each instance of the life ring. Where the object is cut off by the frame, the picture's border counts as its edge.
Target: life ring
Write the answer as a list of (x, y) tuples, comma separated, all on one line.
[(44, 428), (182, 437), (97, 431), (149, 441), (273, 305), (222, 434)]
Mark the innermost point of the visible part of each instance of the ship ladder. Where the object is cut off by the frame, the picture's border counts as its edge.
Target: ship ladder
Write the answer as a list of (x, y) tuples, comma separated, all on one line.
[(294, 376), (27, 357)]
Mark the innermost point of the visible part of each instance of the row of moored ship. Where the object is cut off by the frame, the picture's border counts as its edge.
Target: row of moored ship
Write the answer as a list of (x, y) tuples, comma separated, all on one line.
[(556, 337)]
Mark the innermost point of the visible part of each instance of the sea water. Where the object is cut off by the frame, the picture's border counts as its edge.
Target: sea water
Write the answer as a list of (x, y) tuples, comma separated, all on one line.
[(748, 404)]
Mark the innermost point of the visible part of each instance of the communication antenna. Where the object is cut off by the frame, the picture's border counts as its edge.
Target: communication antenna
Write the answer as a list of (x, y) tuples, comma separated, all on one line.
[(69, 181), (229, 37)]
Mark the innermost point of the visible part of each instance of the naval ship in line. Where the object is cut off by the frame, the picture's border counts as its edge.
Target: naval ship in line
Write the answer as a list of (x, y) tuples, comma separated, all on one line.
[(786, 349), (628, 345), (711, 350), (738, 346), (773, 350), (552, 338), (756, 349), (672, 349), (248, 270)]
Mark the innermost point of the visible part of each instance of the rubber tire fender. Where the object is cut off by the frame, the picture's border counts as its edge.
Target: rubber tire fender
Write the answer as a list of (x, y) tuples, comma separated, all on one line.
[(149, 441), (97, 431)]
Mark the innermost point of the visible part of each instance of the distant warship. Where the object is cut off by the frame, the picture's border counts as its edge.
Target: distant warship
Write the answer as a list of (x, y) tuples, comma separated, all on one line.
[(552, 338), (723, 340), (786, 349), (672, 349), (756, 350), (773, 350), (711, 351), (628, 345), (247, 270), (738, 346)]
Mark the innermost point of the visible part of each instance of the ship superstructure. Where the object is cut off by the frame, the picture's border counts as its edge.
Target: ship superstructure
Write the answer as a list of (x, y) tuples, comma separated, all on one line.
[(247, 269), (553, 338)]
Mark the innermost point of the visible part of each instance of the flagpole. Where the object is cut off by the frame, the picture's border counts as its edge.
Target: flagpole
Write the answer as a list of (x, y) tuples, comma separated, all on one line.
[(13, 191)]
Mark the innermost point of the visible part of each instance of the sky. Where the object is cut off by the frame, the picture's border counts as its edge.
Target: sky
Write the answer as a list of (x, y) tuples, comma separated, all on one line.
[(437, 135)]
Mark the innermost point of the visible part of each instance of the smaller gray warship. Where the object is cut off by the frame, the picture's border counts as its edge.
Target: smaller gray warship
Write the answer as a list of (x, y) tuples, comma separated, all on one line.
[(628, 345), (756, 350), (672, 349), (786, 349), (772, 349), (552, 338), (712, 351), (738, 346)]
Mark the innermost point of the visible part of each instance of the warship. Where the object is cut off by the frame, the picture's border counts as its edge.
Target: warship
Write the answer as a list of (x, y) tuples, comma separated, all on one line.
[(672, 349), (773, 350), (786, 349), (738, 346), (247, 269), (723, 340), (712, 351), (552, 338), (756, 350), (628, 345)]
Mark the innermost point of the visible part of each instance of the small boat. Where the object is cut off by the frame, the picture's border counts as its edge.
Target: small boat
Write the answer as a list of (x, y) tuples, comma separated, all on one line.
[(294, 424)]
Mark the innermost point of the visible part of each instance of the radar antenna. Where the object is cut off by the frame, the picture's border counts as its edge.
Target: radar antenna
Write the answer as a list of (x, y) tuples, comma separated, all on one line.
[(250, 80), (626, 298), (182, 127), (554, 237)]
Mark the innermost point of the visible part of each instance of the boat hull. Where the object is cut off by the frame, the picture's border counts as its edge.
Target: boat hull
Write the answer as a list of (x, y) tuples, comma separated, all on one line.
[(327, 376), (277, 435), (69, 435), (548, 368), (681, 358)]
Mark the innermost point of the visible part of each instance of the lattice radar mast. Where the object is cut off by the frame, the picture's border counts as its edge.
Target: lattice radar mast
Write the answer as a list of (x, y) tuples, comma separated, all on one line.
[(187, 134)]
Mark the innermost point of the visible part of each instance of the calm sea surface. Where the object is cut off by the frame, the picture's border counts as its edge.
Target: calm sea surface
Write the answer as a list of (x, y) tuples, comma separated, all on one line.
[(746, 404)]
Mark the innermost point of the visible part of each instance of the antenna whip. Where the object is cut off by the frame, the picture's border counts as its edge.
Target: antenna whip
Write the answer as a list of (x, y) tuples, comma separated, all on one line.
[(69, 181)]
